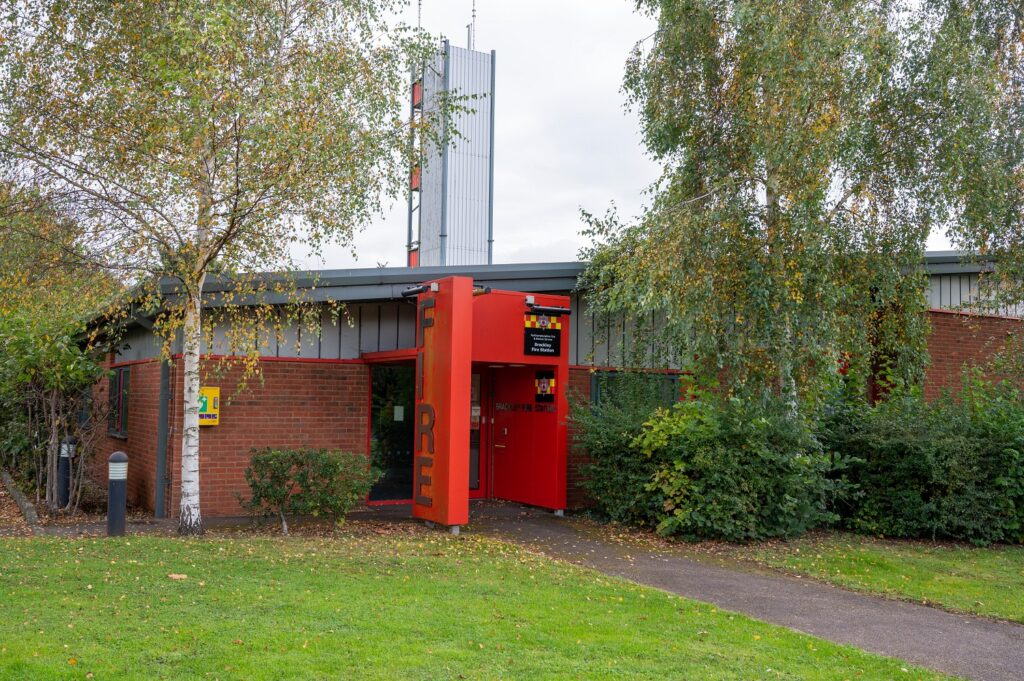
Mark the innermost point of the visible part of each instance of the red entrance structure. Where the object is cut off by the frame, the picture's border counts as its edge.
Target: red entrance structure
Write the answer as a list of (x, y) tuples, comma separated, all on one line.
[(521, 428)]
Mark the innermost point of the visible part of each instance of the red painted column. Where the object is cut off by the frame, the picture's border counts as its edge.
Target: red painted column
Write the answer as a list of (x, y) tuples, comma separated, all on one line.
[(444, 356)]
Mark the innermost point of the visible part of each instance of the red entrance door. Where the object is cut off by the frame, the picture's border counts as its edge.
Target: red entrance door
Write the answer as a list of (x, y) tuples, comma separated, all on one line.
[(524, 446)]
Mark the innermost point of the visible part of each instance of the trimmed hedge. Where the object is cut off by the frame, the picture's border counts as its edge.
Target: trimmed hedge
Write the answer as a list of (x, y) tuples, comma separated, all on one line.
[(709, 468), (952, 468), (704, 468), (736, 470)]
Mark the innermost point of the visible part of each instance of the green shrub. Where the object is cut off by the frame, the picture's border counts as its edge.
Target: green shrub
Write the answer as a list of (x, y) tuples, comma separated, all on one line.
[(312, 482), (736, 470), (950, 468), (616, 476)]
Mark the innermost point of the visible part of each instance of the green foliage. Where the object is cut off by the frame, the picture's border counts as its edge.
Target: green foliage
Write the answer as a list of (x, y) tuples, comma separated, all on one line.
[(785, 235), (736, 470), (48, 359), (198, 139), (312, 482), (951, 468), (967, 78), (616, 477)]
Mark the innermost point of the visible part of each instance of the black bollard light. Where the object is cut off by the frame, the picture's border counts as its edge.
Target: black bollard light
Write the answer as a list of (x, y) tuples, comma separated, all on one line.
[(117, 493), (67, 452)]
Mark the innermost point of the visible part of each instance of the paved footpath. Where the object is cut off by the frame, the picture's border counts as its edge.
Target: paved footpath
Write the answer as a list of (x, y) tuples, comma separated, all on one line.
[(962, 645)]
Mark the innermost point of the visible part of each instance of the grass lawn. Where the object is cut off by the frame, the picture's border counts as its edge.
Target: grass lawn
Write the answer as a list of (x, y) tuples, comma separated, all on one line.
[(986, 581), (371, 607)]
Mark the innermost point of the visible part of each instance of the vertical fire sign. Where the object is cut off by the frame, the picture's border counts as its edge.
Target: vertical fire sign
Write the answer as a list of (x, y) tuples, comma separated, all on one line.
[(444, 337)]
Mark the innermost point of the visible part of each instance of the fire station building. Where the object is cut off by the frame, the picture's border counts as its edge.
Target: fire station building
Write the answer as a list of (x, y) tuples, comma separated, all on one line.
[(454, 381), (451, 374)]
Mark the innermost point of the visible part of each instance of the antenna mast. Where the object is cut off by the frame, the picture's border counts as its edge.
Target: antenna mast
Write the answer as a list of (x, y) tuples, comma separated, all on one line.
[(471, 28)]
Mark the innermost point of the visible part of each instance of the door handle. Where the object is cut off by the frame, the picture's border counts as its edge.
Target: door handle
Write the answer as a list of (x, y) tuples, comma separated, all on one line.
[(497, 445)]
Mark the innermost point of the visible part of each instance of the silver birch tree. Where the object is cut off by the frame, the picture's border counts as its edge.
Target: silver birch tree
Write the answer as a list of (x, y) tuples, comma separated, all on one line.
[(194, 139)]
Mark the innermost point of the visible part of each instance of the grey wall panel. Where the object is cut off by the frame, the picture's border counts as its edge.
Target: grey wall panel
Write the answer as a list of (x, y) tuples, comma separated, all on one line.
[(139, 343), (469, 160), (961, 291), (221, 344), (585, 330), (601, 345), (574, 339), (627, 349), (309, 340), (406, 325), (369, 327), (330, 334), (349, 327), (388, 325), (934, 299), (288, 340), (267, 342), (432, 171), (598, 340)]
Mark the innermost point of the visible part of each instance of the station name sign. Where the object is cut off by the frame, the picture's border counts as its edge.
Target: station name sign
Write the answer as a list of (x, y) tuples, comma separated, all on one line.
[(542, 335)]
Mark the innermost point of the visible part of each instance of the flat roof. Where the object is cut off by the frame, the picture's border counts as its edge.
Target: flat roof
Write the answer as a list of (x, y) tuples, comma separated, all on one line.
[(387, 283)]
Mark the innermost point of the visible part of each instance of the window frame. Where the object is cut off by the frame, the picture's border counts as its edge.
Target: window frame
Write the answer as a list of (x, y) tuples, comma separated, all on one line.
[(672, 379), (117, 399)]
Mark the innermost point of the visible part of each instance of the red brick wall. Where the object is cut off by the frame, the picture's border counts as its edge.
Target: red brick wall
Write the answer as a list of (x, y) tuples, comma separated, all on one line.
[(326, 404), (579, 388), (957, 339), (297, 404), (140, 445)]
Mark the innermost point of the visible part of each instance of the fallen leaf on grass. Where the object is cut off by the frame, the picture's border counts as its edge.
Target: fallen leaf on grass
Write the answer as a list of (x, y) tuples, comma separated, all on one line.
[(175, 576)]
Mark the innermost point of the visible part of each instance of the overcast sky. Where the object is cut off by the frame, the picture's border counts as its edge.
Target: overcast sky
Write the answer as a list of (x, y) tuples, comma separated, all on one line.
[(563, 139)]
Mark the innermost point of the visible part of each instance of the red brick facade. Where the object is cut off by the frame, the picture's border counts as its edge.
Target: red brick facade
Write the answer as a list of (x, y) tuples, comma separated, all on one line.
[(959, 339), (326, 404), (296, 403), (140, 445)]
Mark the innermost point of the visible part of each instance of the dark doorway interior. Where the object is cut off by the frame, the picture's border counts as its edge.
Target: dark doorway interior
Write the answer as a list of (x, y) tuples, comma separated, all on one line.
[(391, 431)]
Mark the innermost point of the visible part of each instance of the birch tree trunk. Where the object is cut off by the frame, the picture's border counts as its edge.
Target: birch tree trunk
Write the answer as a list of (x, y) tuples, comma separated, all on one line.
[(52, 451), (190, 520), (787, 384)]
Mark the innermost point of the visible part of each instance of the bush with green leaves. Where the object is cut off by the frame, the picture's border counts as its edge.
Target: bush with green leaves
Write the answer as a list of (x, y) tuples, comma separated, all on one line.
[(737, 470), (616, 477), (292, 482), (950, 468)]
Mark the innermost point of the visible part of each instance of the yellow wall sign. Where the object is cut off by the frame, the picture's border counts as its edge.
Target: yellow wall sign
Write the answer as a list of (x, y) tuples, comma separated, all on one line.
[(209, 406)]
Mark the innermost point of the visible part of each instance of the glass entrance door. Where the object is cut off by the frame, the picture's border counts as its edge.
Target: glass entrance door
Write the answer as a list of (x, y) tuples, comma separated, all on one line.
[(478, 436), (391, 431)]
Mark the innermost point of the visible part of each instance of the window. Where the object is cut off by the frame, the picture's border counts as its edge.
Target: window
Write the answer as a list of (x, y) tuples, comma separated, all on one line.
[(623, 388), (118, 396)]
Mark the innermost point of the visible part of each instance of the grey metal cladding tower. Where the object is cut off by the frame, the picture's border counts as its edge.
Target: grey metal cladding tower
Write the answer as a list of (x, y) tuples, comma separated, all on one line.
[(451, 198)]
